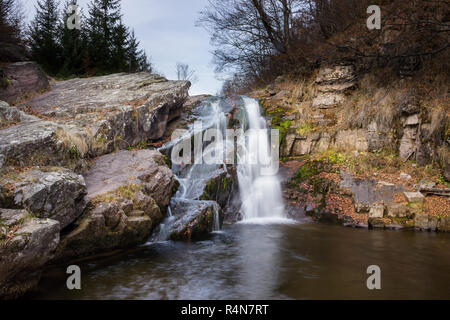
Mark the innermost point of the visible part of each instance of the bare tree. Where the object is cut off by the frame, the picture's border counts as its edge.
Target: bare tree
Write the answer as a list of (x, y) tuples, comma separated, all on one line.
[(185, 73), (248, 32)]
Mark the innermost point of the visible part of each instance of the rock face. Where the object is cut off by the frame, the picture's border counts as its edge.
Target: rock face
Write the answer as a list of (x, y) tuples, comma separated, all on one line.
[(194, 219), (51, 213), (54, 193), (83, 118), (128, 192), (23, 78), (26, 244)]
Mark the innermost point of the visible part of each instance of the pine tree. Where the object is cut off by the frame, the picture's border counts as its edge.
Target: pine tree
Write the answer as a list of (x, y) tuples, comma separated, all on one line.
[(104, 16), (44, 45), (73, 44), (144, 63), (120, 48), (134, 53)]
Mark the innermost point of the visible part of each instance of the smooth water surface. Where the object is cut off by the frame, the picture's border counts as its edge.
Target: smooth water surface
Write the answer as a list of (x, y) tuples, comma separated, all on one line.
[(269, 261)]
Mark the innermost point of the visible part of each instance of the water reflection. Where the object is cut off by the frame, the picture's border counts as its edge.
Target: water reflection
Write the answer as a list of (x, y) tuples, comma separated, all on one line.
[(270, 261)]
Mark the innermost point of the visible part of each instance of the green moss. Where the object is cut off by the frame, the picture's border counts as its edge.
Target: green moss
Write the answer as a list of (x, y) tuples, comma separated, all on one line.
[(309, 169), (282, 127), (73, 153)]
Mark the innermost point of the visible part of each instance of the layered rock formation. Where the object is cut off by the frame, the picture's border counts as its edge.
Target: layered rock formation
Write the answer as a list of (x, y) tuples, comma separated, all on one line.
[(50, 213), (334, 111), (129, 192), (90, 117)]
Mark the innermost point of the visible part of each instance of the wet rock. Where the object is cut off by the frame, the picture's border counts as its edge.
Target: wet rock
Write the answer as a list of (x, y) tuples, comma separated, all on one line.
[(24, 78), (426, 222), (54, 193), (30, 246), (221, 188), (194, 219), (376, 223)]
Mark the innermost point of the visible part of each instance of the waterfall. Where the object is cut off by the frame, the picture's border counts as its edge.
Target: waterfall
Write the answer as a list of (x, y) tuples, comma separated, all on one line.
[(260, 194)]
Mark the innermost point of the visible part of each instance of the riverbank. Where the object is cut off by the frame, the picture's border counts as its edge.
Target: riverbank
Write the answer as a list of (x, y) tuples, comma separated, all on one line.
[(361, 190)]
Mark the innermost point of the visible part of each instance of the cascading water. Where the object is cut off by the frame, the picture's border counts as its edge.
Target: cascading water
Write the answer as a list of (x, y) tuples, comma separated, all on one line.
[(260, 193)]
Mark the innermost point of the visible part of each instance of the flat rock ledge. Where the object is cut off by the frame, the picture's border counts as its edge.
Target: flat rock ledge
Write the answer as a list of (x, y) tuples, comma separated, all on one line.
[(129, 192), (90, 117)]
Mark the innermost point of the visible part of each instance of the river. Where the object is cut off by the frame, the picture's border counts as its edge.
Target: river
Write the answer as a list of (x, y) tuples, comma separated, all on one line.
[(269, 261)]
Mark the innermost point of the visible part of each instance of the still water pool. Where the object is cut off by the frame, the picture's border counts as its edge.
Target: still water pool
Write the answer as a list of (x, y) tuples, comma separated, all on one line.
[(269, 261)]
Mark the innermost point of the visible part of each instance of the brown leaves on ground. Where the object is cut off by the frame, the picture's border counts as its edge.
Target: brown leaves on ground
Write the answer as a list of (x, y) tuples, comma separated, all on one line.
[(437, 206)]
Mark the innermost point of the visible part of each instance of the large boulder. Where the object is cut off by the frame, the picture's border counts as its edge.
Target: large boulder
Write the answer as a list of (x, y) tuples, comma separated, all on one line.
[(55, 193), (21, 79), (83, 118), (26, 245), (128, 191), (194, 219)]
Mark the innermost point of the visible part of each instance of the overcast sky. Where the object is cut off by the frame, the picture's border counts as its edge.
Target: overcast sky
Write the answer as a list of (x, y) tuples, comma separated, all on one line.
[(166, 30)]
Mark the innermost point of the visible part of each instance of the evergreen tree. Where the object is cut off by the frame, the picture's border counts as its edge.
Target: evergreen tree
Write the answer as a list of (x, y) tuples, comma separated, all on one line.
[(44, 45), (144, 63), (120, 49), (73, 43), (104, 16), (134, 54)]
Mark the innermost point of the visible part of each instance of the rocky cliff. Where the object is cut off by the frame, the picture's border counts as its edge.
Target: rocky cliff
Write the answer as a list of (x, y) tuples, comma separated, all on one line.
[(368, 148), (73, 180)]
